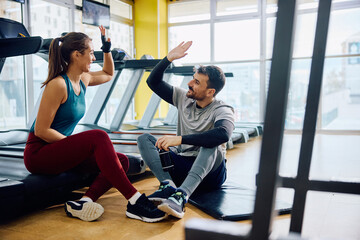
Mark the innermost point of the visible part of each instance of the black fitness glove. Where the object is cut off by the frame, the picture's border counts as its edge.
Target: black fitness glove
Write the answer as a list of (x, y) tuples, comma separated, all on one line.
[(106, 45)]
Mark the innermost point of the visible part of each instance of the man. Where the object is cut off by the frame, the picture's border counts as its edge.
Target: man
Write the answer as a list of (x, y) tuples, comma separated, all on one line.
[(204, 126)]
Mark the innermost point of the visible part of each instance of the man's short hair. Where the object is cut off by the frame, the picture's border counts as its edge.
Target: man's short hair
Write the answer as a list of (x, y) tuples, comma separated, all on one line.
[(216, 77)]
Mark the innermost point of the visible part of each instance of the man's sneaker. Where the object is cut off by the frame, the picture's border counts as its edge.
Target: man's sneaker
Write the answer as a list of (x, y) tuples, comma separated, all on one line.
[(144, 210), (86, 211), (175, 204), (164, 192)]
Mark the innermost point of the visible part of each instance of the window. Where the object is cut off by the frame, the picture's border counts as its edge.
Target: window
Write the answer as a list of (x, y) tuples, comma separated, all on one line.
[(12, 107), (232, 35), (121, 9), (232, 40), (299, 81), (341, 94), (303, 38), (242, 90), (247, 47), (199, 34), (344, 28), (189, 11), (39, 9), (43, 27), (232, 7), (122, 36), (10, 10)]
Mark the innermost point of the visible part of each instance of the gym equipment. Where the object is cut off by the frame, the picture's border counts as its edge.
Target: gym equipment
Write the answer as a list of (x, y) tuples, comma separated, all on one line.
[(12, 36), (231, 202)]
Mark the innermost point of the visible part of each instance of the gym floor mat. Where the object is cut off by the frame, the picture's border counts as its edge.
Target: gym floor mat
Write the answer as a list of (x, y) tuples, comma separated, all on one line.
[(231, 202)]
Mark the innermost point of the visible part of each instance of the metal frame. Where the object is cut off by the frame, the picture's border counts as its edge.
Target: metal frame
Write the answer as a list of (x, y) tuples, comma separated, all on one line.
[(268, 179), (274, 120), (152, 106), (126, 99)]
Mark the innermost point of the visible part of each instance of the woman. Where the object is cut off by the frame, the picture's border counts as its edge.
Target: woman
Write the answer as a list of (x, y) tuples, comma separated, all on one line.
[(51, 149)]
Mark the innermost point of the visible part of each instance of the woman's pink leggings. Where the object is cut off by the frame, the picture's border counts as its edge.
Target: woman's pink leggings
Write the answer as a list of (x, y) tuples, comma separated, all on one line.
[(87, 151)]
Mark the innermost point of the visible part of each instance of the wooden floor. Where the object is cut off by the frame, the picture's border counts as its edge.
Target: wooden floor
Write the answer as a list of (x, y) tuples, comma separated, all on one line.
[(327, 215)]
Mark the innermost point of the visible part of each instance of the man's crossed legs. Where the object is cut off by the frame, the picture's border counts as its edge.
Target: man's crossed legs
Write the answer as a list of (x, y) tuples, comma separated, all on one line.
[(207, 171)]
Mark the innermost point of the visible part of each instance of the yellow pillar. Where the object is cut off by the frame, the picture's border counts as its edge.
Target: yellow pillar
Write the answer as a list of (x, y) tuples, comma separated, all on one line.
[(150, 38)]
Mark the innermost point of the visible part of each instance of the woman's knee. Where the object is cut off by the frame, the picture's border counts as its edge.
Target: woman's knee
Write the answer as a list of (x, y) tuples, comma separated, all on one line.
[(124, 161), (97, 135)]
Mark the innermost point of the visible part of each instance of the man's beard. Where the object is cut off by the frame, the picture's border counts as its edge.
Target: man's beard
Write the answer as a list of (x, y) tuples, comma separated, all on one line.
[(190, 93)]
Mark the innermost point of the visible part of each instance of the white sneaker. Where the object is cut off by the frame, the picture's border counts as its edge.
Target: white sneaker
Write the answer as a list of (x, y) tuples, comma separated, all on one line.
[(86, 211)]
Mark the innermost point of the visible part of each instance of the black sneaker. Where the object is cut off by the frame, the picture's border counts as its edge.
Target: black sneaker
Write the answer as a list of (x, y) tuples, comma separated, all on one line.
[(144, 210), (175, 204), (86, 211), (164, 192)]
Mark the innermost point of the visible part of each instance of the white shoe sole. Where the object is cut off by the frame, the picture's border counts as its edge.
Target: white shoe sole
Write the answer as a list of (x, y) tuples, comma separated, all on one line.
[(144, 219), (89, 212), (167, 209), (157, 199)]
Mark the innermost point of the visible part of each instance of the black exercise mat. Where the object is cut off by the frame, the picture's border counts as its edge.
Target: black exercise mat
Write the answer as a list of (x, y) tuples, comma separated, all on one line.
[(232, 202)]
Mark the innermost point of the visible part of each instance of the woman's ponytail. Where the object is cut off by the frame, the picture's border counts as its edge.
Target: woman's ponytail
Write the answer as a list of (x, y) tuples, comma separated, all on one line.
[(57, 64)]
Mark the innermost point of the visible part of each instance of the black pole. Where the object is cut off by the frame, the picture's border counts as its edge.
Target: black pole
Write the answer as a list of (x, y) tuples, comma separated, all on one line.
[(311, 113), (268, 180)]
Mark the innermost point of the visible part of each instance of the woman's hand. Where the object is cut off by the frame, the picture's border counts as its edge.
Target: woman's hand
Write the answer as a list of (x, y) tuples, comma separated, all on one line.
[(106, 44), (107, 72)]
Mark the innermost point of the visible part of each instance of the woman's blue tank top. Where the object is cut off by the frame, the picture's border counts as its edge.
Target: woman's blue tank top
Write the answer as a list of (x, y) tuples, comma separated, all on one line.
[(70, 112)]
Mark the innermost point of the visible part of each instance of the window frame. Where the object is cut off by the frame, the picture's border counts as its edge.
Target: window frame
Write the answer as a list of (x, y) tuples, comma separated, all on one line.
[(263, 16)]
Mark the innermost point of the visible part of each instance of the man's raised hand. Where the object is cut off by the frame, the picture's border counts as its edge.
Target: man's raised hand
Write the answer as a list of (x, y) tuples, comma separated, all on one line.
[(179, 51)]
